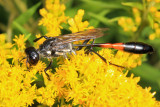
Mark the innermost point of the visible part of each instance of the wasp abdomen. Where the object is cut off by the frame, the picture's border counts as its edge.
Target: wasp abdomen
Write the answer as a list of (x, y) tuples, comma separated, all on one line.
[(137, 47)]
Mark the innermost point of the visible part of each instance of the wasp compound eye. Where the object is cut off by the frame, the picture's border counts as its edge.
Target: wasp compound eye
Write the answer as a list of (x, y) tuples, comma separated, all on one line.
[(32, 55)]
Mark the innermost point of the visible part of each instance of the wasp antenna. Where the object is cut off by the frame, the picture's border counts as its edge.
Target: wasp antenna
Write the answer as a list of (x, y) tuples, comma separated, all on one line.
[(37, 39), (41, 37)]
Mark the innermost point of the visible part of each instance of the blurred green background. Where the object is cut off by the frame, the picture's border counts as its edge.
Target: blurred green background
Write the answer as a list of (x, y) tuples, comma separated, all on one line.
[(22, 16)]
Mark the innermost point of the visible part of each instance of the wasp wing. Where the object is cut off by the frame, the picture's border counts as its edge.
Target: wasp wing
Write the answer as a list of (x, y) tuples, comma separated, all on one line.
[(83, 35)]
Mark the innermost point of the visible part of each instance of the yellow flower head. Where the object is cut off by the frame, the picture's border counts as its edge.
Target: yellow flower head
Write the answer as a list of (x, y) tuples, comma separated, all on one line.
[(129, 24), (127, 60), (15, 86), (155, 15), (53, 16), (156, 33), (4, 50), (20, 42), (87, 81), (83, 79), (76, 23)]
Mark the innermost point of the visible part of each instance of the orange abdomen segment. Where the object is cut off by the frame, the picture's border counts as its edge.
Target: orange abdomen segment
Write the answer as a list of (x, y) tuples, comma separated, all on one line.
[(118, 46)]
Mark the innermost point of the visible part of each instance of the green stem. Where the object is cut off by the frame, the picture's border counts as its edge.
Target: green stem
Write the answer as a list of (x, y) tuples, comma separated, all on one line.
[(144, 22)]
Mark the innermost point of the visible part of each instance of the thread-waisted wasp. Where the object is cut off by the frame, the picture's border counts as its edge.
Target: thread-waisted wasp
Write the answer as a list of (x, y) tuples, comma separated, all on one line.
[(61, 45)]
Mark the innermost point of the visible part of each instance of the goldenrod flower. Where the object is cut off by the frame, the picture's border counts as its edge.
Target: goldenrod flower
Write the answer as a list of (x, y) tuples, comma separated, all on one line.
[(83, 80), (87, 81), (155, 15), (53, 16), (15, 86), (129, 24), (76, 23), (20, 42), (4, 50), (127, 60), (147, 16)]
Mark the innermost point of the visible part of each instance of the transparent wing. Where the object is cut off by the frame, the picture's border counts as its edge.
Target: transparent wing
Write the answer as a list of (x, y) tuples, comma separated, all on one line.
[(84, 35)]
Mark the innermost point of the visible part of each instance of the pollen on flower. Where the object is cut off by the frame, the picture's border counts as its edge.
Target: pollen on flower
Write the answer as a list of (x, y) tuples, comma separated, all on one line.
[(153, 9), (82, 80), (156, 25), (20, 41), (157, 14), (126, 59), (152, 36), (5, 51), (128, 24), (76, 23), (53, 17)]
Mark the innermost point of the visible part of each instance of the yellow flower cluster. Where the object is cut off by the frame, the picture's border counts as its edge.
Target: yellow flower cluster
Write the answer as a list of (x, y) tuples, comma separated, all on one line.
[(85, 80), (52, 17), (15, 83), (76, 23), (126, 59), (154, 10), (148, 16), (82, 80), (129, 24)]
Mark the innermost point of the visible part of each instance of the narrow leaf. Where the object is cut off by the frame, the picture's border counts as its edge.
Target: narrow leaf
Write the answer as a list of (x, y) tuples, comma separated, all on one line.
[(109, 5), (23, 18), (133, 4)]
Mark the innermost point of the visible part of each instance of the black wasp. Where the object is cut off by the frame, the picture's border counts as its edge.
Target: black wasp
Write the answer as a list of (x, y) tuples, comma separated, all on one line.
[(61, 45)]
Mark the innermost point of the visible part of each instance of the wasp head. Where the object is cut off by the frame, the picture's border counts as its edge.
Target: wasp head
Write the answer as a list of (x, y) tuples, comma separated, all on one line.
[(32, 55)]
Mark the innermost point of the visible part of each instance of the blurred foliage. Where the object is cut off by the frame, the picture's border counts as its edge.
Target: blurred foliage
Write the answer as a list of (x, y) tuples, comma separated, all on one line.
[(22, 16)]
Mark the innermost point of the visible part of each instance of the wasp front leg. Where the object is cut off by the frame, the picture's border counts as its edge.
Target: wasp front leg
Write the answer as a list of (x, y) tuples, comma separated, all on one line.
[(42, 37)]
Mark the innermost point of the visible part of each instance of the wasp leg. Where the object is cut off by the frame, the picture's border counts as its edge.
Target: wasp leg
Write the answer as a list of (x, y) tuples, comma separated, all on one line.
[(27, 65), (73, 52), (85, 42), (42, 37), (105, 59), (91, 48), (92, 44), (48, 67)]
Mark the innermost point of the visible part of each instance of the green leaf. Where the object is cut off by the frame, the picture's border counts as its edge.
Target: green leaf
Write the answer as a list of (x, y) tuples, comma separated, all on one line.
[(147, 72), (20, 27), (24, 17), (102, 19), (157, 5), (150, 76), (133, 4), (27, 36), (101, 4), (94, 22), (155, 42)]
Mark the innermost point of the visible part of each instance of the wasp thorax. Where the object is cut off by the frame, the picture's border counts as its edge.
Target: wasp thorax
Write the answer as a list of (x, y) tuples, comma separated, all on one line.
[(32, 55)]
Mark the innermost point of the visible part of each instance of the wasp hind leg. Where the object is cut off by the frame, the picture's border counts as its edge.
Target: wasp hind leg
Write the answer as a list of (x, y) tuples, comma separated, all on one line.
[(91, 48), (84, 43), (105, 59)]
